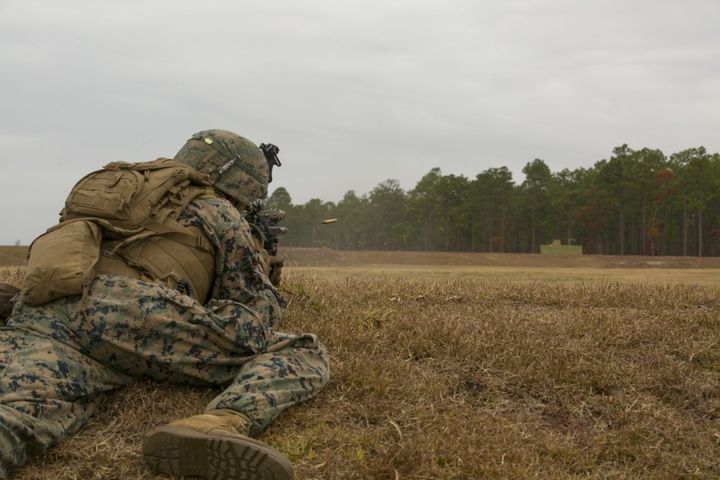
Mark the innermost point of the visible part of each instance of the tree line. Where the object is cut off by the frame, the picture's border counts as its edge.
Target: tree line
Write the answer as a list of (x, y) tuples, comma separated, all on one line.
[(637, 202)]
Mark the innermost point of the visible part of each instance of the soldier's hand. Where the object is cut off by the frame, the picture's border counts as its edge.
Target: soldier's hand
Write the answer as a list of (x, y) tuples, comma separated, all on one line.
[(272, 216), (276, 270)]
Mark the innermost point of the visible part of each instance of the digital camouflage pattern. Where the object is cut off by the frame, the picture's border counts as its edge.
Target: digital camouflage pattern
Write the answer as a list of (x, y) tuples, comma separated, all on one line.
[(235, 165), (55, 359)]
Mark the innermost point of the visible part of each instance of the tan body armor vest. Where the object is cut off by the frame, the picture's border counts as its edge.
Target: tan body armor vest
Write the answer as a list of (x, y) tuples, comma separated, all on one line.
[(181, 265), (135, 207)]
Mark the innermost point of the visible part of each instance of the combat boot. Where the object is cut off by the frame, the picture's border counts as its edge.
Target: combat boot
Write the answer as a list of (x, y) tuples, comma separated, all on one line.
[(214, 445)]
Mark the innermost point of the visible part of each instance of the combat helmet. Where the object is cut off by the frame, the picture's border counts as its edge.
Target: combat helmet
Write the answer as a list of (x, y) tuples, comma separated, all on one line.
[(235, 165)]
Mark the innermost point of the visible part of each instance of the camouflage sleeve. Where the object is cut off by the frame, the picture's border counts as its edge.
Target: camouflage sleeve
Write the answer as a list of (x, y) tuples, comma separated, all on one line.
[(239, 273)]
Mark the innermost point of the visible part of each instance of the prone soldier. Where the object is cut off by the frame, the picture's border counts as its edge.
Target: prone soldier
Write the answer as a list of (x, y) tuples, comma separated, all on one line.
[(155, 272)]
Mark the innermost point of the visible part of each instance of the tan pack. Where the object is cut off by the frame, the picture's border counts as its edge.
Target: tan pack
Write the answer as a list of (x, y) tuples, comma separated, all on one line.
[(61, 260), (131, 194), (133, 206)]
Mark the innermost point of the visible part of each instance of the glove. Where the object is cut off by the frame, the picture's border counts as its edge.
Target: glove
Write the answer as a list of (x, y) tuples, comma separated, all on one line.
[(276, 270)]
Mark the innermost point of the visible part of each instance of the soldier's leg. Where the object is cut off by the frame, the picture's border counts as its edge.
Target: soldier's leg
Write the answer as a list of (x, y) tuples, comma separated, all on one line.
[(147, 329), (294, 370), (215, 444), (48, 389)]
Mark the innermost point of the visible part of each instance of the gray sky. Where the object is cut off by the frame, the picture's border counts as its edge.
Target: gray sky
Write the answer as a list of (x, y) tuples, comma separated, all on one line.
[(353, 92)]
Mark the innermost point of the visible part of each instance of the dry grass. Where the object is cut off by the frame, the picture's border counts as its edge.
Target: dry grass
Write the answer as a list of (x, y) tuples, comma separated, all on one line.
[(325, 257), (12, 275), (524, 274), (470, 377)]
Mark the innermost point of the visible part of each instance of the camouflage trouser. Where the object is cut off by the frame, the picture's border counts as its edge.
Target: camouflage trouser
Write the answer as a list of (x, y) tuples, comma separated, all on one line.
[(56, 359)]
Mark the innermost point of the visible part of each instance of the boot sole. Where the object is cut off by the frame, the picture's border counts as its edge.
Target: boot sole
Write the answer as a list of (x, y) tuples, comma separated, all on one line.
[(185, 452)]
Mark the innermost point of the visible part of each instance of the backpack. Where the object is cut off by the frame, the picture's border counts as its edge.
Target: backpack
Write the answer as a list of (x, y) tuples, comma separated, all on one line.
[(121, 220)]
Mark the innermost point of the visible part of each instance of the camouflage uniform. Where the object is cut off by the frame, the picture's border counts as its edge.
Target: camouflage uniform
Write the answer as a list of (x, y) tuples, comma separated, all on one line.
[(56, 358)]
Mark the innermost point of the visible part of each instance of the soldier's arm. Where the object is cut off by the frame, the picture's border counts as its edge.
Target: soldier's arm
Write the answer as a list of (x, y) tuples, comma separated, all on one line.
[(244, 278), (241, 270)]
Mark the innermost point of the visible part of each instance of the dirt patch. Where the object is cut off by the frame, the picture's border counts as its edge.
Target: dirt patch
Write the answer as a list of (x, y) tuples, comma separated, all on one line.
[(325, 257)]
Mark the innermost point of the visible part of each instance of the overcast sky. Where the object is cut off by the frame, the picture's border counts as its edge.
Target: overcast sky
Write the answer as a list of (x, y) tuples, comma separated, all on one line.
[(353, 92)]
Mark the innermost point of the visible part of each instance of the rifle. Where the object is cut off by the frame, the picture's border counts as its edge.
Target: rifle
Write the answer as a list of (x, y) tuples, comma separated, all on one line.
[(266, 225)]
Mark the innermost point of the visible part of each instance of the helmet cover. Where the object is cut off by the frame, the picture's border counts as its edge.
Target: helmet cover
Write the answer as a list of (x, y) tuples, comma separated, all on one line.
[(235, 165)]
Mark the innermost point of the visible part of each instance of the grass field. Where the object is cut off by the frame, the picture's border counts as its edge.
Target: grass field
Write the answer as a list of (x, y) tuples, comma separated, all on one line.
[(659, 276), (473, 367)]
